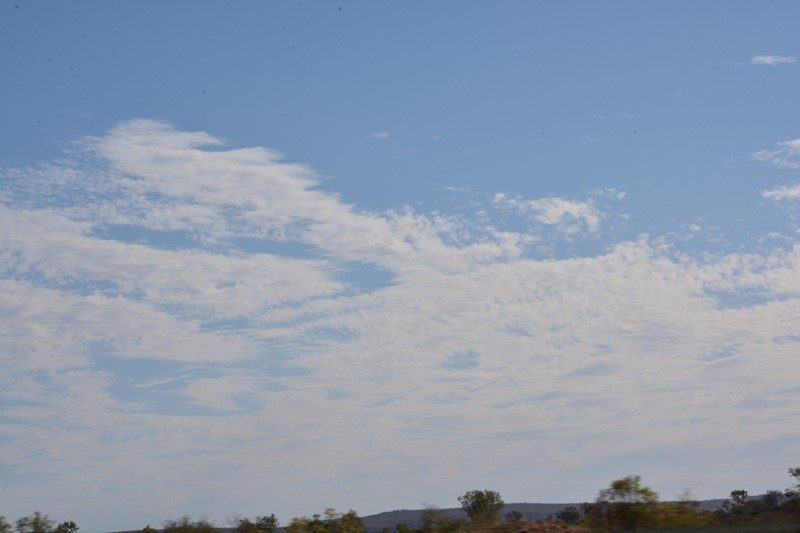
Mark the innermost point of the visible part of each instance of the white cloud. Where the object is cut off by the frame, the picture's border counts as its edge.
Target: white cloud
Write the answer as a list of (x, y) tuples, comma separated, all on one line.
[(241, 362), (569, 215), (785, 192), (379, 135), (786, 156), (772, 60)]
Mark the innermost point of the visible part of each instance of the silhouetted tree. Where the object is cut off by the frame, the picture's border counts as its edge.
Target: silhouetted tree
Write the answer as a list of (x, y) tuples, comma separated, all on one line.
[(569, 514), (513, 516), (5, 527), (267, 524), (67, 526), (795, 473), (739, 497)]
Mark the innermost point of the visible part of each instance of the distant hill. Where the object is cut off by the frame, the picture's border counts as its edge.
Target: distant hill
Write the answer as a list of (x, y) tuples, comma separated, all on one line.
[(374, 523), (530, 511), (413, 517)]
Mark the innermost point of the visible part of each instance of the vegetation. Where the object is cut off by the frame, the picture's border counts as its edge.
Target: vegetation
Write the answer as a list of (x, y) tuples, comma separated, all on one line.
[(262, 524), (569, 514), (332, 522), (625, 505), (482, 506), (185, 525), (433, 521), (38, 523)]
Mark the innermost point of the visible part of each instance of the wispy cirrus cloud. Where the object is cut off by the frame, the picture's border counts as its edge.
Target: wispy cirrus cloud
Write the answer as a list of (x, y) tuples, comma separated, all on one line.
[(785, 156), (379, 135), (772, 60)]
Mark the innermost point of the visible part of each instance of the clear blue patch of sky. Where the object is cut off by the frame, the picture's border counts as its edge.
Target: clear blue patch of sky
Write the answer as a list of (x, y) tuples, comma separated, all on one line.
[(156, 385), (290, 248), (170, 239), (366, 277), (720, 353), (225, 324), (743, 298), (462, 361), (326, 334), (598, 369), (83, 286), (528, 98), (786, 339)]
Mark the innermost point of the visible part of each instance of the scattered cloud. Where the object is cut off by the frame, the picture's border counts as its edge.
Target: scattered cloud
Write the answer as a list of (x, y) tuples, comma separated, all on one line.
[(786, 156), (604, 117), (610, 192), (785, 192), (379, 135), (569, 215), (772, 60)]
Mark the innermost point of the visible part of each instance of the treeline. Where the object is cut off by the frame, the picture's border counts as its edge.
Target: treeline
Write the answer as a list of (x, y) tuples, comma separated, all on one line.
[(38, 523), (625, 505)]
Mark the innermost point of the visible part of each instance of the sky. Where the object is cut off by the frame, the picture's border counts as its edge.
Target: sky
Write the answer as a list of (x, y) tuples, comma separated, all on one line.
[(272, 257)]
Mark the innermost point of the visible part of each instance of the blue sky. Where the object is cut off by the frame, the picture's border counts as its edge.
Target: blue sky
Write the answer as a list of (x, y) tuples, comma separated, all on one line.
[(273, 257)]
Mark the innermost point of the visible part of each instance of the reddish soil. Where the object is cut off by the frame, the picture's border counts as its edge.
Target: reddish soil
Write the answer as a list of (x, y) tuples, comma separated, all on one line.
[(535, 526)]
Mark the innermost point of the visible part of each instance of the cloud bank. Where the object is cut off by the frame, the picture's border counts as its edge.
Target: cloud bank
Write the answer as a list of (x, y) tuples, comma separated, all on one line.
[(181, 314)]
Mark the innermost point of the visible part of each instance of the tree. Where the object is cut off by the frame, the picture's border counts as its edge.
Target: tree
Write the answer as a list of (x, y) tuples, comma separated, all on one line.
[(333, 522), (625, 505), (739, 497), (349, 522), (627, 490), (513, 516), (298, 525), (569, 514), (5, 527), (37, 523), (771, 500), (433, 521), (243, 525), (482, 506), (67, 527), (795, 473), (185, 525), (267, 524)]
